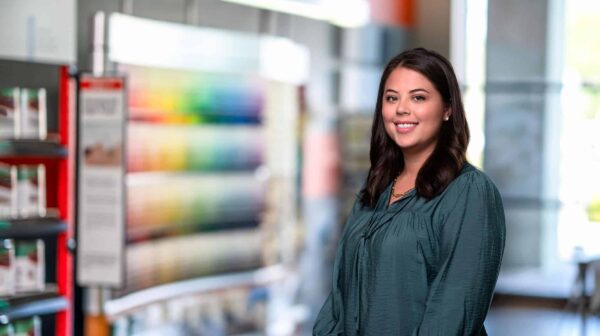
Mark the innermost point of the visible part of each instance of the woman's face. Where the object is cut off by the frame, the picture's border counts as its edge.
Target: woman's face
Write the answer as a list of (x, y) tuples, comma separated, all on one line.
[(413, 111)]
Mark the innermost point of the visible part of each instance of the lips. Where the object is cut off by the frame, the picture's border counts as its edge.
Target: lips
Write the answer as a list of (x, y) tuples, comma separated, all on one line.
[(405, 126)]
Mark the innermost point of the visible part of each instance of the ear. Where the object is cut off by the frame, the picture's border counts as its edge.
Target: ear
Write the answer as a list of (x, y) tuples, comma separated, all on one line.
[(447, 113)]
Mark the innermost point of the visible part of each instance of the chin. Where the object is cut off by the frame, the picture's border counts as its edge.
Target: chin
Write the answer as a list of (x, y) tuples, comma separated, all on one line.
[(404, 144), (406, 147)]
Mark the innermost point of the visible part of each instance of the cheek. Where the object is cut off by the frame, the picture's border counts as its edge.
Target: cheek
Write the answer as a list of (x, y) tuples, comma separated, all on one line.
[(387, 113), (388, 126), (433, 128), (432, 115)]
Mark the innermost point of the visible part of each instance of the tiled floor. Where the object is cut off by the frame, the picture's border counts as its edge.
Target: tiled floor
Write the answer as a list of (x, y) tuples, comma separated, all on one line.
[(530, 321), (532, 302)]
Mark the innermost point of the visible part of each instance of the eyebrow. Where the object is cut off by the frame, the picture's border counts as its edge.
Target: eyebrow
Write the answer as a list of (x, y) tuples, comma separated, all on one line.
[(411, 91)]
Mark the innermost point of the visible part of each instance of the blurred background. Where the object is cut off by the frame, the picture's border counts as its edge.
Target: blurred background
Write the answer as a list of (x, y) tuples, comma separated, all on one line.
[(211, 201)]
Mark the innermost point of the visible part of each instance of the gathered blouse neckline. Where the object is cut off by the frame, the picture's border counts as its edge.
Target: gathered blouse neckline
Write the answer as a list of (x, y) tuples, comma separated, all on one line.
[(387, 194), (384, 200)]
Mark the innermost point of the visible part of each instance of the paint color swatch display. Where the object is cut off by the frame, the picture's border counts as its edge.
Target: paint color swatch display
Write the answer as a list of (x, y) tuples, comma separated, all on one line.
[(179, 258), (179, 204), (154, 147), (189, 97)]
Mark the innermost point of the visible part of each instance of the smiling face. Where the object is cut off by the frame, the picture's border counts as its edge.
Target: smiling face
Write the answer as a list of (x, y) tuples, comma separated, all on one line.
[(413, 111)]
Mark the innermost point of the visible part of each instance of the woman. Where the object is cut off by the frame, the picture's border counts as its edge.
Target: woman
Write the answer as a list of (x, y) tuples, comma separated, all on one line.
[(422, 247)]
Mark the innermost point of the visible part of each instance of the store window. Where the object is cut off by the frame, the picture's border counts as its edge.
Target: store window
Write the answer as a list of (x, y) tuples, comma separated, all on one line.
[(579, 189)]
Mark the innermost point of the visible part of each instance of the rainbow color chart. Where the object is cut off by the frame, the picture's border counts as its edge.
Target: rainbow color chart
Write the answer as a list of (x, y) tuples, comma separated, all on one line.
[(181, 204), (188, 97), (194, 202), (153, 147)]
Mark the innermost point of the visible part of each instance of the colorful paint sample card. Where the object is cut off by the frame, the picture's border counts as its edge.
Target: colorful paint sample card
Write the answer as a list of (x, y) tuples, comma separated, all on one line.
[(193, 97)]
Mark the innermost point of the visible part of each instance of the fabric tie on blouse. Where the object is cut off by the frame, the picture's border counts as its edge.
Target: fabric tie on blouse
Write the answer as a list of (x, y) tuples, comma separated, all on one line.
[(380, 216)]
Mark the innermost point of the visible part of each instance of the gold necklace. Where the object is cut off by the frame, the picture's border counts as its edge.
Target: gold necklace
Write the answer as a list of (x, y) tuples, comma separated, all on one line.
[(402, 194)]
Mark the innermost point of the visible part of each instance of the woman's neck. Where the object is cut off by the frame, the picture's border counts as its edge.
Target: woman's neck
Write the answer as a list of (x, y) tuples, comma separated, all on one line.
[(413, 161)]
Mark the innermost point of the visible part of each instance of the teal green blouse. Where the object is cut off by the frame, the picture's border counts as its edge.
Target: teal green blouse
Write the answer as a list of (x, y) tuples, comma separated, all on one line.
[(418, 267)]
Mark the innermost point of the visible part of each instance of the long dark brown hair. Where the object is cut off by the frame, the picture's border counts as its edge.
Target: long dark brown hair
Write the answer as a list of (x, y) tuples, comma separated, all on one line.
[(449, 155)]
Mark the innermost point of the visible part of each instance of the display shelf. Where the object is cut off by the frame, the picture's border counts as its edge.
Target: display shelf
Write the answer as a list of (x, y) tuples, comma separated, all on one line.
[(27, 305), (31, 227), (29, 148), (173, 203), (152, 177), (56, 153), (153, 263), (169, 230), (125, 304)]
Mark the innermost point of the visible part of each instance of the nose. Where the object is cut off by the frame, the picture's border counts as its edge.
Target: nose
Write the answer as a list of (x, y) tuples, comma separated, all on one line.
[(401, 108)]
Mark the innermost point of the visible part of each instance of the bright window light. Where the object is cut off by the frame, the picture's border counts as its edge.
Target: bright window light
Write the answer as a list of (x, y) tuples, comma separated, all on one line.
[(348, 13)]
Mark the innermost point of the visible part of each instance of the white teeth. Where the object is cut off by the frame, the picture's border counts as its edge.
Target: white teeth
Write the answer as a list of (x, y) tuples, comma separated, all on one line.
[(405, 125)]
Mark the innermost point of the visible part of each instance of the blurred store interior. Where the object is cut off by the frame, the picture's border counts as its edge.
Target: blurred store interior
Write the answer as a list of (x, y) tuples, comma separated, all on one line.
[(189, 164)]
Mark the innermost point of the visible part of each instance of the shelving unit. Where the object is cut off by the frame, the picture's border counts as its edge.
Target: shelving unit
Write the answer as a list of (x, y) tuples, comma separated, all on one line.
[(23, 306), (263, 276), (32, 227), (54, 303), (211, 174), (32, 148)]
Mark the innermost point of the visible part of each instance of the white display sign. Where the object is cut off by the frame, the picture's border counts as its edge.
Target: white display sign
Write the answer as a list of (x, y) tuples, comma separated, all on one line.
[(101, 193), (38, 30), (139, 41)]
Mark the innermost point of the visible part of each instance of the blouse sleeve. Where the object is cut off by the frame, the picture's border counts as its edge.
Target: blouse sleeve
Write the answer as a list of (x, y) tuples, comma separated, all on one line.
[(471, 241), (330, 320)]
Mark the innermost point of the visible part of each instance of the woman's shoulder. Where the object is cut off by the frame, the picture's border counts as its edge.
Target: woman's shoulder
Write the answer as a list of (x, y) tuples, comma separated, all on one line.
[(470, 180), (469, 173)]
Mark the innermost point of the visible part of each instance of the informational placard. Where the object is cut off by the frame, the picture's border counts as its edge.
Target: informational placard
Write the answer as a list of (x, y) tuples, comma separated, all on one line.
[(101, 191)]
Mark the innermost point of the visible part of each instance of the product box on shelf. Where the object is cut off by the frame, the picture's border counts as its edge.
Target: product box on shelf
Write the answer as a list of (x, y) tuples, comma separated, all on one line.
[(34, 124), (8, 191), (7, 268), (9, 109), (29, 265), (7, 330), (28, 327), (31, 190), (23, 113)]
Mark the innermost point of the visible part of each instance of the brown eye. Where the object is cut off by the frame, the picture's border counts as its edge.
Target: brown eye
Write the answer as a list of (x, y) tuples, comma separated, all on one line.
[(419, 98), (390, 99)]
